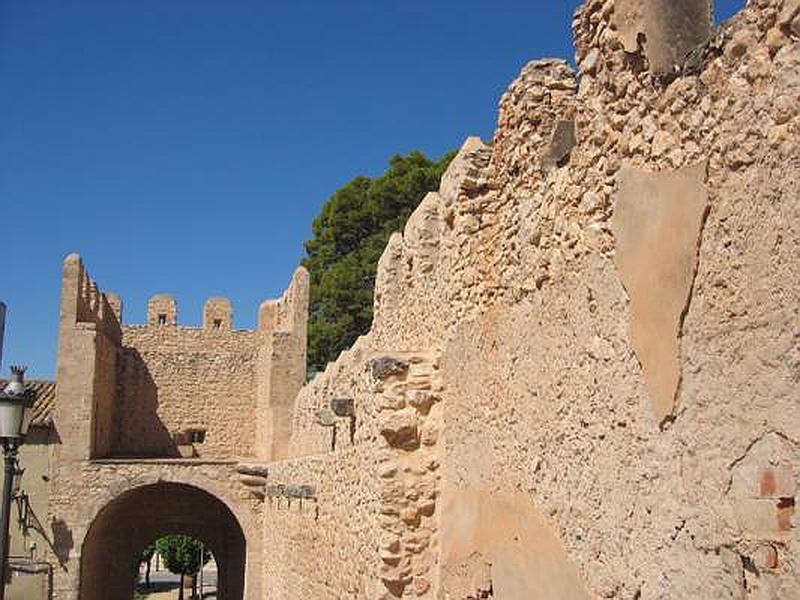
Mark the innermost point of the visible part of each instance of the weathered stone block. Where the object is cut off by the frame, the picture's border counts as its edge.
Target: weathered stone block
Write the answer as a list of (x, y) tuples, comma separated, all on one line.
[(253, 480), (258, 470), (400, 428), (657, 224), (386, 366), (343, 407)]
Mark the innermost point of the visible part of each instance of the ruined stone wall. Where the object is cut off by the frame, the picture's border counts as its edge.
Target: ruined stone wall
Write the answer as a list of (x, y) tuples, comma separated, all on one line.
[(645, 283), (322, 547), (372, 472), (434, 274), (612, 288), (376, 475)]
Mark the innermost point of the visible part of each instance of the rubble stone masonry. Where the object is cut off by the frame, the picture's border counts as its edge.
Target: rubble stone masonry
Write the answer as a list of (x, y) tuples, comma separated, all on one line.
[(611, 286)]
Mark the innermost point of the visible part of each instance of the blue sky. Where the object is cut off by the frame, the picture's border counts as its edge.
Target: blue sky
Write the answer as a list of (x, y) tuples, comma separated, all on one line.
[(184, 146)]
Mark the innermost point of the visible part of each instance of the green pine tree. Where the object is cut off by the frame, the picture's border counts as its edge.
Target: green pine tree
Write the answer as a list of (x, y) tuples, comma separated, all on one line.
[(350, 234)]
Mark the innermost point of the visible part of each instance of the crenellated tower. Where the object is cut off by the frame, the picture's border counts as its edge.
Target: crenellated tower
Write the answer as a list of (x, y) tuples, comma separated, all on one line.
[(163, 390)]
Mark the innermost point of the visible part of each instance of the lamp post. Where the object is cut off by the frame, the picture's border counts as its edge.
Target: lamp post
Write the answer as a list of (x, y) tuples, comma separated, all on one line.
[(15, 416)]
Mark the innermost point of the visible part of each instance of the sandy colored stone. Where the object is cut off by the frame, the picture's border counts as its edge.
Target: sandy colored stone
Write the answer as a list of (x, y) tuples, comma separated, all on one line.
[(667, 29), (657, 223), (503, 530)]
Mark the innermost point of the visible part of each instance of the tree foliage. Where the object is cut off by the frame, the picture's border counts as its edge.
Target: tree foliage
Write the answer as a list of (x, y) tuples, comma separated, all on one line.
[(148, 553), (350, 234), (181, 555), (147, 556)]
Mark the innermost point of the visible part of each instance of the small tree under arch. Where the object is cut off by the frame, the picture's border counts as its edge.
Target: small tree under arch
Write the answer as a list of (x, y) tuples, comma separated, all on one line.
[(146, 559), (182, 555)]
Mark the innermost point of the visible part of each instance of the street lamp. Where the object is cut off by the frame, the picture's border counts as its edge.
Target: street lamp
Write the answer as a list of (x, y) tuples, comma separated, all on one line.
[(15, 416)]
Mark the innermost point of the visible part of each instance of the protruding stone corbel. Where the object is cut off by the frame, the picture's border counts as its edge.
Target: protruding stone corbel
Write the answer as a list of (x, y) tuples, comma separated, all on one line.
[(384, 367), (345, 407), (292, 491), (254, 478), (326, 418), (339, 408)]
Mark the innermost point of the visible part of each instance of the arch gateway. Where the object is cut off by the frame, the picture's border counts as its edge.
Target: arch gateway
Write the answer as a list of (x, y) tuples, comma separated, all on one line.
[(125, 526), (580, 381), (154, 433)]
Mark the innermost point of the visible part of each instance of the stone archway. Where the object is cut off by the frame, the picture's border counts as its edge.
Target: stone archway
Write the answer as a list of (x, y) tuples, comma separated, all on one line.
[(127, 524)]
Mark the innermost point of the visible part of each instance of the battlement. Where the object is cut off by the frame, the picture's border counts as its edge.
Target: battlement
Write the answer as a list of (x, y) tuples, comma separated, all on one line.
[(283, 315), (84, 302), (290, 310), (218, 315), (161, 363), (162, 310)]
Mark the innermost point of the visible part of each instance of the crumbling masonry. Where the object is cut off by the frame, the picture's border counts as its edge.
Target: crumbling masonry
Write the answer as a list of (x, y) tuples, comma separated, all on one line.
[(581, 380)]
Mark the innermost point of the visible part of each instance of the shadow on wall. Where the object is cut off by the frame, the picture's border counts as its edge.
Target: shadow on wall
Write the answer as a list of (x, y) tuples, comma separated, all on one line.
[(63, 542), (140, 432)]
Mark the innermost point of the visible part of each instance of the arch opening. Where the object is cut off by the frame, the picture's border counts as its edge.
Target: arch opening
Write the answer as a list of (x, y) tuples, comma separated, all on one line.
[(128, 524)]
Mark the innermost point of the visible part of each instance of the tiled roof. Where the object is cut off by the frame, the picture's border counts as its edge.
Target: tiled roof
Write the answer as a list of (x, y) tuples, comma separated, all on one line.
[(45, 400)]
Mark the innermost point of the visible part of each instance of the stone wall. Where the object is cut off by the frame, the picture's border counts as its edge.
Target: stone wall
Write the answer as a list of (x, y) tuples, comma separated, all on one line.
[(373, 479), (323, 546), (174, 380), (612, 288), (619, 401), (375, 475)]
